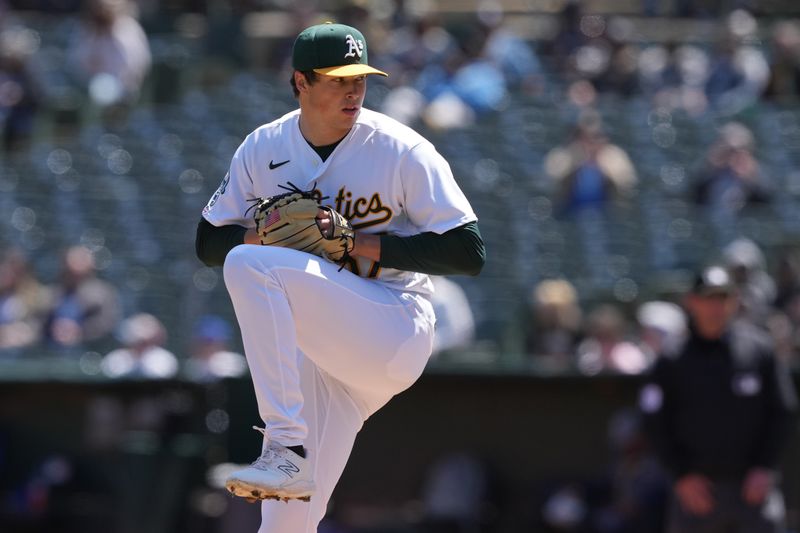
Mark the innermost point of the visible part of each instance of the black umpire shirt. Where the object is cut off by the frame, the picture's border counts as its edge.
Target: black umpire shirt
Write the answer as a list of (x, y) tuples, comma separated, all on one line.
[(719, 407)]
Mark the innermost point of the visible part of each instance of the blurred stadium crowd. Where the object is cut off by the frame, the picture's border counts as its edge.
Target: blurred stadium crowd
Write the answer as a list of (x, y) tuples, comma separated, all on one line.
[(609, 153), (609, 148)]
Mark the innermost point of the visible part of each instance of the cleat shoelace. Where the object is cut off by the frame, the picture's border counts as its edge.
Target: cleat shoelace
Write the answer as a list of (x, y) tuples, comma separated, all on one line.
[(267, 455)]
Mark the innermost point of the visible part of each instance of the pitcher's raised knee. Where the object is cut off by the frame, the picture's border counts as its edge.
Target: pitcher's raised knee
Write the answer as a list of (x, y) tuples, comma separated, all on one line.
[(262, 260), (236, 260)]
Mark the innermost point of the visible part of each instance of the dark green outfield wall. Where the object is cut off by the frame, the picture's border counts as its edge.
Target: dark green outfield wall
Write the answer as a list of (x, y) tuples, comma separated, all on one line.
[(531, 430)]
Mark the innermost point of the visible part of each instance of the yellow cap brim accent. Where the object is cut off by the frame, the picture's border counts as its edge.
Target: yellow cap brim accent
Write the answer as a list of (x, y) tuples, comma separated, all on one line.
[(355, 69)]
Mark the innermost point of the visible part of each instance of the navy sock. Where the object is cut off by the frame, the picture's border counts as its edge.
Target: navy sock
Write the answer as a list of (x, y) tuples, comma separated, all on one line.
[(299, 450)]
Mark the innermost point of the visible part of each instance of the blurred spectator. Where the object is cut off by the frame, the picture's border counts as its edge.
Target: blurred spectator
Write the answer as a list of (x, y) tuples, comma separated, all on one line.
[(662, 327), (605, 348), (589, 172), (19, 91), (730, 80), (142, 354), (465, 85), (792, 310), (36, 496), (724, 76), (457, 495), (23, 302), (787, 277), (502, 47), (785, 337), (452, 80), (111, 53), (622, 74), (210, 356), (448, 111), (639, 486), (659, 68), (84, 307), (566, 510), (555, 326), (584, 50), (570, 36), (405, 103), (746, 262), (675, 76), (784, 69), (739, 72), (455, 325), (784, 322), (478, 80), (475, 72), (732, 177), (719, 411), (592, 62), (416, 45)]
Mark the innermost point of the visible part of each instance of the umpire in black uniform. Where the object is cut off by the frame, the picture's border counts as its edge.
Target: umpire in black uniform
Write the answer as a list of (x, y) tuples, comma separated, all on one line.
[(719, 409)]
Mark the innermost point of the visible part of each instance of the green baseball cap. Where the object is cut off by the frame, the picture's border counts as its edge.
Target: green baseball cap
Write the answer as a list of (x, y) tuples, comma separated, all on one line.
[(332, 49)]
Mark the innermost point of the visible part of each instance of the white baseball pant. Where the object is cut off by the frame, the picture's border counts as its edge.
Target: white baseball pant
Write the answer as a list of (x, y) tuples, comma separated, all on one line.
[(326, 349)]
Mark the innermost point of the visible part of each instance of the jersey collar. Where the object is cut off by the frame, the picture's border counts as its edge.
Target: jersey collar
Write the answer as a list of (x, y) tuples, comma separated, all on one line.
[(307, 151)]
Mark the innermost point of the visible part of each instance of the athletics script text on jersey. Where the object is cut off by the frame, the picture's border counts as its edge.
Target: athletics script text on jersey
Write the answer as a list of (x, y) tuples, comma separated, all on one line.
[(362, 212)]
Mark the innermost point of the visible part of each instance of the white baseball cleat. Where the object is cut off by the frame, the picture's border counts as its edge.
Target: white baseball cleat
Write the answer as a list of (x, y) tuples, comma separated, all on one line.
[(279, 474)]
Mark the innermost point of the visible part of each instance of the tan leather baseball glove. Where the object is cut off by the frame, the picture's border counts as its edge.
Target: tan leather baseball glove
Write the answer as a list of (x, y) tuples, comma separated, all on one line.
[(292, 219)]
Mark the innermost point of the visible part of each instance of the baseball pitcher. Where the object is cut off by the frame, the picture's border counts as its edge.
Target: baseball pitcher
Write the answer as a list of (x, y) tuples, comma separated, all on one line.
[(328, 224)]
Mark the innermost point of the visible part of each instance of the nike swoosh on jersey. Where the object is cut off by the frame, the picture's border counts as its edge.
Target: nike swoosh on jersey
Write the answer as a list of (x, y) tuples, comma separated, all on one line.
[(273, 165)]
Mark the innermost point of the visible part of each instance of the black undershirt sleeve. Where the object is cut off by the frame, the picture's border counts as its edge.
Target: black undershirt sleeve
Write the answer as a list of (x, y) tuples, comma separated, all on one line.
[(212, 243), (458, 251)]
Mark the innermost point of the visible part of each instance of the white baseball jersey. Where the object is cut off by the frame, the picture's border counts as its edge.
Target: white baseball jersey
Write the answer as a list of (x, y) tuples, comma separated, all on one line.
[(383, 176)]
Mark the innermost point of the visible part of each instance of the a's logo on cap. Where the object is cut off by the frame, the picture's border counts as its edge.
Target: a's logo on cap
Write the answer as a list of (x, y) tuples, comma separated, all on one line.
[(356, 47)]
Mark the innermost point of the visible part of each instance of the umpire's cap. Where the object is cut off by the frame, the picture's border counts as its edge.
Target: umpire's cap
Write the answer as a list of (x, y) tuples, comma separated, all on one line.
[(332, 49), (713, 280)]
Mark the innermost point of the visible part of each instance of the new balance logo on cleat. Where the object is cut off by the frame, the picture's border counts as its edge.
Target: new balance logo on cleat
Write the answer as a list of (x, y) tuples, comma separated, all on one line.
[(288, 468)]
